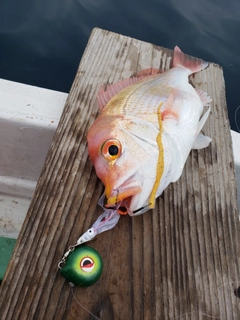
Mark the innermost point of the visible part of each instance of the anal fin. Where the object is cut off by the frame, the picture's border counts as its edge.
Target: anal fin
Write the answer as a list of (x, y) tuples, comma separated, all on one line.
[(202, 121), (204, 97), (201, 141)]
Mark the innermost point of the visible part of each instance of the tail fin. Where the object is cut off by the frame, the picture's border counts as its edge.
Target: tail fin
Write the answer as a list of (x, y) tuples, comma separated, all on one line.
[(191, 63)]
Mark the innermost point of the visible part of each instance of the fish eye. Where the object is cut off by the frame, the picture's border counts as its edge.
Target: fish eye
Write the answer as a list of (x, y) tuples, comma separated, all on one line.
[(111, 149)]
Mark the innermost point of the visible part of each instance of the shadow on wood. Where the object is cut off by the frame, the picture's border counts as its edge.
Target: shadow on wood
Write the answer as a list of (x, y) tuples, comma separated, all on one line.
[(179, 261)]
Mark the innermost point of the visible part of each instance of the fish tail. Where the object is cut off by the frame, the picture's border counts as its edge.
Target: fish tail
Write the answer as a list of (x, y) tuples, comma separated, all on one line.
[(191, 63)]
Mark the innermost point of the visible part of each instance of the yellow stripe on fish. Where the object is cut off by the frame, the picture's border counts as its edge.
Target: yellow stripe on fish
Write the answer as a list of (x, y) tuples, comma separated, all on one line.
[(160, 163)]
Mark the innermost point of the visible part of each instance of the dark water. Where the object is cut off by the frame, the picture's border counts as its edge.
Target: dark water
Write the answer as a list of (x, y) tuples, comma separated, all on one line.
[(41, 42)]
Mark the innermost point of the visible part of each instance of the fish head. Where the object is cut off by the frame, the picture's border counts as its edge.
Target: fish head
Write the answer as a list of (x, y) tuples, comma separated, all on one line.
[(123, 162)]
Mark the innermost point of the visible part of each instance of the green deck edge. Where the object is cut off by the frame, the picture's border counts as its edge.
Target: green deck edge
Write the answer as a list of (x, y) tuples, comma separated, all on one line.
[(6, 249)]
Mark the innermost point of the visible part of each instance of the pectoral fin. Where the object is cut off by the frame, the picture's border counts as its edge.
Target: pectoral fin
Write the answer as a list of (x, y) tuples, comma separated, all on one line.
[(173, 105)]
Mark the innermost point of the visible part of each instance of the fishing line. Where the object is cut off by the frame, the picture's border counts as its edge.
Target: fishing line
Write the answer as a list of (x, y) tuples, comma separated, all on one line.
[(203, 313), (228, 283), (74, 297), (200, 312), (235, 118)]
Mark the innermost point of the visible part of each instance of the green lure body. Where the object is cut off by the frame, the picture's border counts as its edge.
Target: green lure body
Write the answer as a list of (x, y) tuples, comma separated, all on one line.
[(83, 266)]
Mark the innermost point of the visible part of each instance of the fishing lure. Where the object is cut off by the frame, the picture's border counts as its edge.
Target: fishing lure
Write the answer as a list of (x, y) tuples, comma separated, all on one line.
[(82, 265)]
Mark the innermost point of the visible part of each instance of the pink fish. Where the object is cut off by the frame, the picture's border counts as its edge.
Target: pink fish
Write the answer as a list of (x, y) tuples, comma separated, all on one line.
[(147, 127)]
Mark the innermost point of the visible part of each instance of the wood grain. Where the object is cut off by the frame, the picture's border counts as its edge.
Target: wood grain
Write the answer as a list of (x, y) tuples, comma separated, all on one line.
[(178, 261)]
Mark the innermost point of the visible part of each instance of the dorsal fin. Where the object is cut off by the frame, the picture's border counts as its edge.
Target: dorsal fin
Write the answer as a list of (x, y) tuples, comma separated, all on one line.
[(104, 95)]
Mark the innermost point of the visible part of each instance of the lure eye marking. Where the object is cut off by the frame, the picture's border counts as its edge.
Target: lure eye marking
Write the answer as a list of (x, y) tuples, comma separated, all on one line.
[(87, 264)]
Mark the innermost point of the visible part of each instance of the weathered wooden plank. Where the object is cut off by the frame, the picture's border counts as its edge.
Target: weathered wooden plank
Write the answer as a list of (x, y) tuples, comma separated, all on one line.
[(178, 261)]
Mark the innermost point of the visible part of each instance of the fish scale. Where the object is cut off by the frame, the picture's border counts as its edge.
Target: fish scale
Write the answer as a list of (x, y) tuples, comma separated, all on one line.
[(144, 99)]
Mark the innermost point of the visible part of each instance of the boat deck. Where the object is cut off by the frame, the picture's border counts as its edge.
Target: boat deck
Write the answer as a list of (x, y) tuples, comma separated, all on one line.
[(178, 261)]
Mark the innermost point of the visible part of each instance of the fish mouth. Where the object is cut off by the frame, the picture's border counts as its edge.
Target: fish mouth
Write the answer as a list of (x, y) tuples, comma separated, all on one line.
[(122, 195)]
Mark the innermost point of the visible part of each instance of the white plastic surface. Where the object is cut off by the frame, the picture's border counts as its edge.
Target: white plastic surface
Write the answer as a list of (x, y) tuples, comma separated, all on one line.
[(28, 120), (236, 154)]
